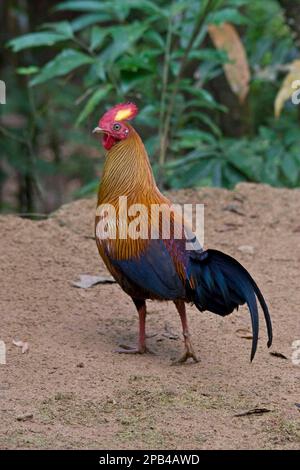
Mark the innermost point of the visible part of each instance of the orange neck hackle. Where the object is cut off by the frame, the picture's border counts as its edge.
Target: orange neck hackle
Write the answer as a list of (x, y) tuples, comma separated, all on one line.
[(127, 172)]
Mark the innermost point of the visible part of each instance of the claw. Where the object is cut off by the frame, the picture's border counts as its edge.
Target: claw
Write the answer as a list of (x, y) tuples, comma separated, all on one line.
[(189, 352), (186, 355), (125, 349)]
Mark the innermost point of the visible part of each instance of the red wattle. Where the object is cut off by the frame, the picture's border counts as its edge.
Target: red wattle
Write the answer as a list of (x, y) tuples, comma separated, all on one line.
[(108, 141)]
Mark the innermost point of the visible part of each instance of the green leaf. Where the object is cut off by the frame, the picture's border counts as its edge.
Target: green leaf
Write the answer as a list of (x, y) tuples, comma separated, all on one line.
[(291, 136), (198, 103), (62, 64), (84, 5), (87, 20), (100, 70), (249, 166), (93, 101), (190, 138), (155, 38), (230, 15), (120, 8), (179, 6), (200, 170), (133, 80), (206, 120), (201, 94), (213, 55), (232, 176), (60, 27), (146, 6), (28, 70), (123, 38), (290, 168), (143, 61), (35, 40), (97, 37), (116, 10), (194, 156)]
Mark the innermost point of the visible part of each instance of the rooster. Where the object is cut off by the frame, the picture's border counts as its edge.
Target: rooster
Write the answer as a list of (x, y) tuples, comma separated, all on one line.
[(159, 267)]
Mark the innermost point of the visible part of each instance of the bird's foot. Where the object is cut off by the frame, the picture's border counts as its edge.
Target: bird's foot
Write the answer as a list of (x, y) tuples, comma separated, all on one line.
[(186, 355), (125, 349), (189, 352)]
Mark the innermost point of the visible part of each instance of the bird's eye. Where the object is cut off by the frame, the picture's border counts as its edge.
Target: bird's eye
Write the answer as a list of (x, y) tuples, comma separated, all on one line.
[(116, 127)]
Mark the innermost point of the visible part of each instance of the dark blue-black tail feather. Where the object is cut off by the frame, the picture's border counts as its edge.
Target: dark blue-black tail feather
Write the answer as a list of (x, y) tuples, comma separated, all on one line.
[(221, 284)]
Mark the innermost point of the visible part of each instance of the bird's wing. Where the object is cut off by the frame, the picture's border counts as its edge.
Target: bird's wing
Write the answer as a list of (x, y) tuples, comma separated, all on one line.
[(154, 270)]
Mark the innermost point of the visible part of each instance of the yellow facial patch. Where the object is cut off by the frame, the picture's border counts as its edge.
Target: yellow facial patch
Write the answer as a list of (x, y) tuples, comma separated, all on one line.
[(123, 114)]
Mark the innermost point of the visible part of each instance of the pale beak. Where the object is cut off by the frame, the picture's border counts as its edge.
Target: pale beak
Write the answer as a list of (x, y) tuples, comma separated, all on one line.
[(98, 130)]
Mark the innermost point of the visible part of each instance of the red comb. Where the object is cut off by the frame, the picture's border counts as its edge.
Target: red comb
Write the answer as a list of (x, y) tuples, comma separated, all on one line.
[(120, 112)]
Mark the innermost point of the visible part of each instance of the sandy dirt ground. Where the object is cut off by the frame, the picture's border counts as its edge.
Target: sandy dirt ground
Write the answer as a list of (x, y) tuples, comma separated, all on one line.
[(71, 390)]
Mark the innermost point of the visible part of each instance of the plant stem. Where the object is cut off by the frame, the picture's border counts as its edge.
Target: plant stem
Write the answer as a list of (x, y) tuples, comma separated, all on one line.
[(84, 46), (167, 121), (12, 136), (165, 86)]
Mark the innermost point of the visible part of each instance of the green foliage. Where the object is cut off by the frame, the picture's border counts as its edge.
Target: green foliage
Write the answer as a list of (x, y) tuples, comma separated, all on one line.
[(36, 40), (64, 63), (271, 157), (158, 54)]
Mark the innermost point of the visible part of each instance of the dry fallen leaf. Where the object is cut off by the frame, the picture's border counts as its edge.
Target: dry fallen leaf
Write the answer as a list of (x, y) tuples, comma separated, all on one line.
[(86, 281), (278, 354), (287, 89), (226, 37), (23, 345)]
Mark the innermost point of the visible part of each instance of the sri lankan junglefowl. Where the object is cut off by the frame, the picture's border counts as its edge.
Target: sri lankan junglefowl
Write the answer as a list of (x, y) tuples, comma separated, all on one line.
[(156, 266)]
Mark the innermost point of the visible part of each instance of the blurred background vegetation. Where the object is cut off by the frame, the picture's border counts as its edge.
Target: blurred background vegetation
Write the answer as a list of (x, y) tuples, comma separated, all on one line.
[(212, 79)]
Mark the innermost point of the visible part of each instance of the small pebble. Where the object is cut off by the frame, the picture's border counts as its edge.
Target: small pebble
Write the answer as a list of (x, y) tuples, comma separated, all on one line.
[(248, 249)]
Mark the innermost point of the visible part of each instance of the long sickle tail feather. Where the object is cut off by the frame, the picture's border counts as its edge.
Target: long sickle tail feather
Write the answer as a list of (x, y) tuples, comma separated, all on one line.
[(221, 284)]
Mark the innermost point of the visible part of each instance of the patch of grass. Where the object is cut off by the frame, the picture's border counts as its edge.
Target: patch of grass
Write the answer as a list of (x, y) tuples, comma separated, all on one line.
[(288, 431), (23, 439), (142, 428), (66, 409), (281, 431)]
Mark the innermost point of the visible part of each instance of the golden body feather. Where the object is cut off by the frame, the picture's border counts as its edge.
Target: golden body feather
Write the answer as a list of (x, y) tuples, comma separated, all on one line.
[(127, 172)]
